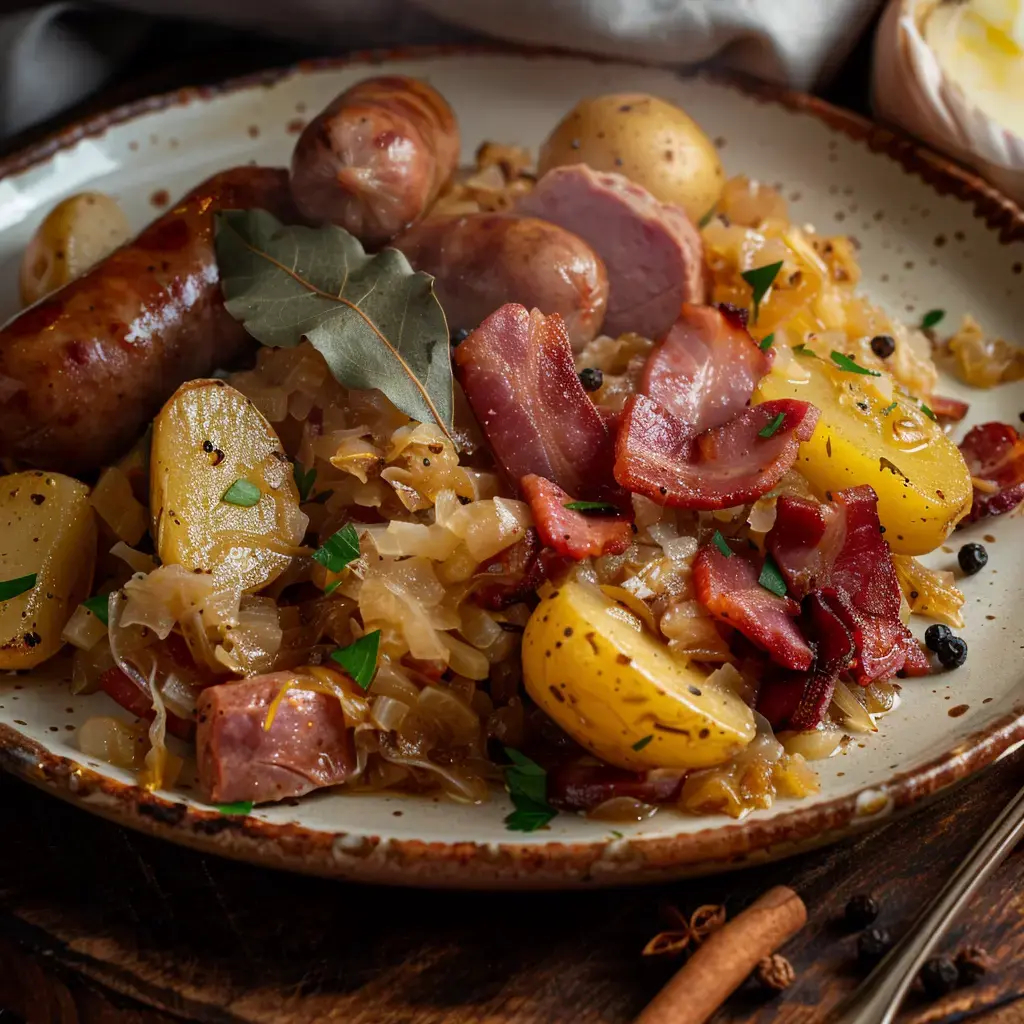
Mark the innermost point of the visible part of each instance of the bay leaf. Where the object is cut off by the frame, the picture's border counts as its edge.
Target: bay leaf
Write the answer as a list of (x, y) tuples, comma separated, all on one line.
[(376, 321)]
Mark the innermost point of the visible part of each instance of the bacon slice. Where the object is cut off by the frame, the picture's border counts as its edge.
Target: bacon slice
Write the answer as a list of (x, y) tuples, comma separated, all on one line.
[(515, 574), (518, 374), (729, 589), (706, 368), (994, 453), (657, 455), (568, 531), (949, 410), (582, 787)]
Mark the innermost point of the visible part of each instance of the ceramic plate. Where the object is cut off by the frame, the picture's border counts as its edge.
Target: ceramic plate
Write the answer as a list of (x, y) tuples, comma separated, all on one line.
[(961, 251)]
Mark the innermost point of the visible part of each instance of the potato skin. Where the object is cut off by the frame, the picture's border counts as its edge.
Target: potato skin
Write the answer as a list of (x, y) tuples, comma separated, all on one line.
[(76, 234), (647, 139), (206, 437), (47, 527), (614, 688), (864, 437)]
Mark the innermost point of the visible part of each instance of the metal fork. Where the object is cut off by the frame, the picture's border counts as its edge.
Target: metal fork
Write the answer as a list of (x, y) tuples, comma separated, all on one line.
[(879, 996)]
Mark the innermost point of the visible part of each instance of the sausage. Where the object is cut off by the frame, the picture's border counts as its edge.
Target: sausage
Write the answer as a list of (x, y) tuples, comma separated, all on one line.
[(483, 260), (376, 158), (307, 746), (84, 371), (652, 251)]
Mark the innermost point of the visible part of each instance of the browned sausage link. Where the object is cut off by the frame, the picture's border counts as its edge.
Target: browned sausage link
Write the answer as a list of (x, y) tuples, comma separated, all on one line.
[(376, 159), (480, 261), (83, 372)]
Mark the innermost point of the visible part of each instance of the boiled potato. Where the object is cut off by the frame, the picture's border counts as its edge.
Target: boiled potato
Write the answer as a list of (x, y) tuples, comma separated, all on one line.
[(616, 689), (47, 528), (870, 433), (207, 438), (651, 141), (77, 233)]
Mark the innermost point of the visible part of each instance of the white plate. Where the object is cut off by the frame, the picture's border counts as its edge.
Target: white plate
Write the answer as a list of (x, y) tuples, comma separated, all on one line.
[(919, 250)]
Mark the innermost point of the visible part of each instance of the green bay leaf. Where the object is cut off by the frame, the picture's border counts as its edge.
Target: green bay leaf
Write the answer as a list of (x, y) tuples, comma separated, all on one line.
[(376, 321)]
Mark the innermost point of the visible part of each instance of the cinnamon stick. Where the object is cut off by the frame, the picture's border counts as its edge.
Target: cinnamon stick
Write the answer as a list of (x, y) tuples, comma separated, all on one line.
[(721, 964)]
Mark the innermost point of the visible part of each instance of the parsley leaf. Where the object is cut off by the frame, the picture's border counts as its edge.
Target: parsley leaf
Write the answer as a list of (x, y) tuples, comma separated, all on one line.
[(928, 412), (527, 785), (760, 280), (12, 588), (707, 218), (336, 552), (601, 507), (331, 588), (359, 659), (618, 835), (241, 493), (640, 744), (719, 541), (803, 350), (771, 578), (769, 429), (852, 366), (98, 605), (889, 408), (931, 318), (238, 807), (766, 342), (304, 480)]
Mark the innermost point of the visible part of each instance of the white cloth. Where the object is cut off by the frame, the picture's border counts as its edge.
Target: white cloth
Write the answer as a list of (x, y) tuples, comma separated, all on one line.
[(57, 54)]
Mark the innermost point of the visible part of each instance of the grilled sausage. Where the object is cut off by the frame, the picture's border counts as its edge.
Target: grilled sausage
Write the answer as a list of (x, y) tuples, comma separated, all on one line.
[(483, 260), (84, 371), (376, 159), (652, 251)]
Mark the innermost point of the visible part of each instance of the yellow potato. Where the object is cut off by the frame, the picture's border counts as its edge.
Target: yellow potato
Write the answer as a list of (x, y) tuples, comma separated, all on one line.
[(651, 141), (77, 233), (616, 689), (47, 529), (922, 482), (207, 437)]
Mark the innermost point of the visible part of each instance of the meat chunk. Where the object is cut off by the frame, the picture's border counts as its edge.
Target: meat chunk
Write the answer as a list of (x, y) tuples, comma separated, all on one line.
[(307, 746), (652, 251)]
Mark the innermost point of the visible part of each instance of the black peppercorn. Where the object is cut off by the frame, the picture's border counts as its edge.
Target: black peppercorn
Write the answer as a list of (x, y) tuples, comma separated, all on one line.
[(883, 345), (591, 378), (939, 976), (861, 911), (972, 558), (973, 963), (872, 945), (459, 336), (935, 636), (952, 652)]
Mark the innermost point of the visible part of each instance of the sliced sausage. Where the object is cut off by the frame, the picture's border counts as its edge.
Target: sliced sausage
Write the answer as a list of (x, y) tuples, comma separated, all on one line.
[(652, 251), (84, 371), (306, 747), (480, 261), (376, 158)]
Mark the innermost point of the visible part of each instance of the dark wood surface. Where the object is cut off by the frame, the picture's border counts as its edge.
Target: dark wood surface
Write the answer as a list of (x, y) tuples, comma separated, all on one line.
[(99, 925)]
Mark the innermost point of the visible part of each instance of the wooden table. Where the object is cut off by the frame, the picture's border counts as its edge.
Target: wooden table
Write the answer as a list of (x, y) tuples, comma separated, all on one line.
[(98, 924)]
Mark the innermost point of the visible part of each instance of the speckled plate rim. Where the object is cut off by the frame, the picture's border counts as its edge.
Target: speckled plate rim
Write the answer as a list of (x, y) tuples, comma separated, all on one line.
[(556, 864)]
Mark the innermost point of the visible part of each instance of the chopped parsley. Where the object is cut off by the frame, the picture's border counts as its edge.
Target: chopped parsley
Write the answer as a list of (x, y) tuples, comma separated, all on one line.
[(99, 605), (12, 588), (640, 744), (803, 350), (707, 218), (927, 412), (238, 807), (359, 659), (771, 578), (331, 588), (769, 429), (889, 408), (618, 835), (760, 280), (304, 480), (241, 493), (719, 541), (931, 318), (852, 366), (766, 342), (601, 507), (527, 785), (336, 552)]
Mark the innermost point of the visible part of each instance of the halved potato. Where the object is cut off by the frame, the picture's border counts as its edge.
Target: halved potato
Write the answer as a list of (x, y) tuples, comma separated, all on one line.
[(76, 234), (619, 692), (47, 528), (207, 438)]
